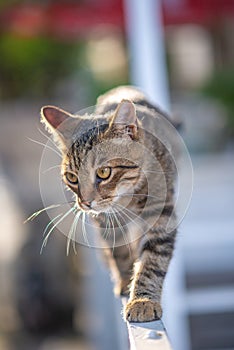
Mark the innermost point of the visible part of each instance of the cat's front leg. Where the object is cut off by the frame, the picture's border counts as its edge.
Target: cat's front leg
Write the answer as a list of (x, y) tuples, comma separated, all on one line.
[(145, 297), (124, 262), (120, 262)]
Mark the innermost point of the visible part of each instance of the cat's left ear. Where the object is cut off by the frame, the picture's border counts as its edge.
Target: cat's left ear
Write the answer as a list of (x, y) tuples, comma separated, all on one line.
[(59, 123), (125, 118)]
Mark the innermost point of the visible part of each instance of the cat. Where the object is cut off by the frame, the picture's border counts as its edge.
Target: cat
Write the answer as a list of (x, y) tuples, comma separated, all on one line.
[(121, 173)]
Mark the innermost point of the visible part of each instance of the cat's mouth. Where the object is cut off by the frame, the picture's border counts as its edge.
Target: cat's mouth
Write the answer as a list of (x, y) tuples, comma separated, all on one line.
[(94, 207)]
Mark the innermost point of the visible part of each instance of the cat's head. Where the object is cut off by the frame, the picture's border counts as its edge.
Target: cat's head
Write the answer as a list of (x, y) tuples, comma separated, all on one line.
[(102, 154)]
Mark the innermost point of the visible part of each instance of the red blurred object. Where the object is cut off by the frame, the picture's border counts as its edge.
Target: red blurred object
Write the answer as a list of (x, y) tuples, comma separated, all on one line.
[(23, 20), (69, 20), (62, 19), (203, 12)]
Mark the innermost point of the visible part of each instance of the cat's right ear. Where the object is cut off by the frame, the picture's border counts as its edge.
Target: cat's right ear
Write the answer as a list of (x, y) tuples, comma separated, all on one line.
[(59, 123), (53, 117)]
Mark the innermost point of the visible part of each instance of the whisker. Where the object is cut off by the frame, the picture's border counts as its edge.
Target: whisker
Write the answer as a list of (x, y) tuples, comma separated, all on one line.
[(49, 139), (53, 227), (73, 240), (52, 206), (112, 222), (130, 194), (74, 235), (123, 212), (131, 213), (72, 231), (52, 167), (137, 195), (69, 236), (45, 145), (51, 222), (84, 229), (107, 229), (123, 233)]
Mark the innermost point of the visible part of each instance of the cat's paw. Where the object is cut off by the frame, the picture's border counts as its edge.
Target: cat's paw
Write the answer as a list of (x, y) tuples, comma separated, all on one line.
[(142, 310)]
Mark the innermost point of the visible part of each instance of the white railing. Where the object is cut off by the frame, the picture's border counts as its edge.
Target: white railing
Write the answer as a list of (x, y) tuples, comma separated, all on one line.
[(147, 335), (101, 304)]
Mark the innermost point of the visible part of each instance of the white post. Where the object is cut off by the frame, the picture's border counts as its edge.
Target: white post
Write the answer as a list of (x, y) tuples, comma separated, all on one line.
[(146, 49)]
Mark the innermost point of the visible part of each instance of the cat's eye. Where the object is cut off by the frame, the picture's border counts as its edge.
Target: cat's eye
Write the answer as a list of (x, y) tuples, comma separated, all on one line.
[(104, 173), (71, 178)]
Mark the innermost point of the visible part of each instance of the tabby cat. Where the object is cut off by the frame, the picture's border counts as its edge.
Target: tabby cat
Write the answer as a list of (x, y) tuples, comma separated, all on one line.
[(121, 173)]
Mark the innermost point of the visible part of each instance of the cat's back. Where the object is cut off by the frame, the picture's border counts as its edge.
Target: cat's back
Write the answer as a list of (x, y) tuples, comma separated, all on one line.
[(116, 95), (110, 100)]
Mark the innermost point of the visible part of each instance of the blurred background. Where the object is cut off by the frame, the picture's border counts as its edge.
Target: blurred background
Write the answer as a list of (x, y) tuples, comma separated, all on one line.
[(66, 53)]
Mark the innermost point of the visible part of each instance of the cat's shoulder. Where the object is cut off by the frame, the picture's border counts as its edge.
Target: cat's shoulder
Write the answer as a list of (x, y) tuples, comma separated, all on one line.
[(116, 95), (110, 100)]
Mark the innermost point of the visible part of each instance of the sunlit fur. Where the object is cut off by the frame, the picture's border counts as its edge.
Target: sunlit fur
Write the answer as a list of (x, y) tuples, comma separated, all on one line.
[(133, 205)]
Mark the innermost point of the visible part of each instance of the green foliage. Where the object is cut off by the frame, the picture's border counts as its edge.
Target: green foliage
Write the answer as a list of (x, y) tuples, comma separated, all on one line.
[(5, 3), (32, 66), (221, 87)]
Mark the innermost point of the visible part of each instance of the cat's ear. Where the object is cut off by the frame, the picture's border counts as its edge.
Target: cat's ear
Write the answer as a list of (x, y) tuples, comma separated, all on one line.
[(125, 117), (54, 116), (59, 123)]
